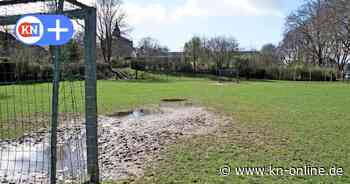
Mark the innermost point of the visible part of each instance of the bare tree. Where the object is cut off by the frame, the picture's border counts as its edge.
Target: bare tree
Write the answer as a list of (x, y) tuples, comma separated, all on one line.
[(193, 50), (110, 16), (205, 51), (269, 54), (318, 33), (149, 46), (311, 20), (222, 50), (340, 16)]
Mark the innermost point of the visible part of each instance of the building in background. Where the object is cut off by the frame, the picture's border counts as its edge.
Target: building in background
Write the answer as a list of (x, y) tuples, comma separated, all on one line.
[(122, 47)]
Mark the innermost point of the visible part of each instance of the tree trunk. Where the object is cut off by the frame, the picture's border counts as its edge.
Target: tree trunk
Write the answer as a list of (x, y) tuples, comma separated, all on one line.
[(310, 75), (279, 73), (331, 73), (194, 66)]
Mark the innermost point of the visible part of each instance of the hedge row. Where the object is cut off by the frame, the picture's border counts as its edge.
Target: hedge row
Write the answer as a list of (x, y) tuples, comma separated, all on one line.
[(35, 72), (296, 73)]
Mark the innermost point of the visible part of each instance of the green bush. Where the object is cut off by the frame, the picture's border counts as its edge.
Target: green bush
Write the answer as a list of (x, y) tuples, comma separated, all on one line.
[(39, 72), (301, 73), (282, 72)]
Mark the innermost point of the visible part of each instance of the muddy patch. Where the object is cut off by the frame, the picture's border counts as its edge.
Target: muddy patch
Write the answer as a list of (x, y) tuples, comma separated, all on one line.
[(127, 143)]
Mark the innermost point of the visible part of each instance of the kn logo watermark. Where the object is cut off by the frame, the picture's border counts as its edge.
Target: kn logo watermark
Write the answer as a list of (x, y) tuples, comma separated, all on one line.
[(29, 30), (44, 30)]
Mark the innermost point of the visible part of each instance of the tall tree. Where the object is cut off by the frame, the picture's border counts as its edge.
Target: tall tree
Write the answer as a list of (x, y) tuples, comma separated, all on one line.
[(291, 47), (311, 20), (222, 50), (193, 49), (149, 46), (340, 16), (109, 14), (72, 51), (269, 54)]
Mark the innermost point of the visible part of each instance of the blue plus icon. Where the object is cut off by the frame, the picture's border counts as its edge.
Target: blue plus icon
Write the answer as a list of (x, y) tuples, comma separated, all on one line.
[(44, 30), (58, 29)]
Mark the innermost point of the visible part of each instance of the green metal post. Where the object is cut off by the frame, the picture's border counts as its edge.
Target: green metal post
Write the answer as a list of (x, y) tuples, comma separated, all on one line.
[(54, 120), (90, 96), (55, 103)]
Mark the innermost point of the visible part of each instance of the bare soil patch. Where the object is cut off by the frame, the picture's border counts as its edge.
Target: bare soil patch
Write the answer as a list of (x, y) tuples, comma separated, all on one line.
[(128, 143)]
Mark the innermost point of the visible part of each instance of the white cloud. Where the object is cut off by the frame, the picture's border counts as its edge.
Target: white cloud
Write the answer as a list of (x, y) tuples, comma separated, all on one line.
[(159, 13), (153, 12), (190, 8)]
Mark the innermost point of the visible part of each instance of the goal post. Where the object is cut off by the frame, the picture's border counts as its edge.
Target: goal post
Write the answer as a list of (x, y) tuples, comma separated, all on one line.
[(88, 15)]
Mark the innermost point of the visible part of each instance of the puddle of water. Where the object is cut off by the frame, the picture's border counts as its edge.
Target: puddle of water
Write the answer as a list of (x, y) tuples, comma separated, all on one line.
[(129, 114), (137, 113), (25, 160)]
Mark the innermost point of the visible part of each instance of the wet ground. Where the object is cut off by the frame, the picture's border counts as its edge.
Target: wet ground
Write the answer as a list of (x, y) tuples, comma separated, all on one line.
[(27, 159), (127, 143)]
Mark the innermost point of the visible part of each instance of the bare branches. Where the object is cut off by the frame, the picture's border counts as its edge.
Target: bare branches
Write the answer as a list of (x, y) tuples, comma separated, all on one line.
[(218, 51), (193, 49), (110, 16), (149, 46), (222, 49), (319, 33)]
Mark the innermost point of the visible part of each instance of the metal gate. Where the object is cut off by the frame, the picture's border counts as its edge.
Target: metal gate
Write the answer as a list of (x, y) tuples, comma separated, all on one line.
[(48, 120)]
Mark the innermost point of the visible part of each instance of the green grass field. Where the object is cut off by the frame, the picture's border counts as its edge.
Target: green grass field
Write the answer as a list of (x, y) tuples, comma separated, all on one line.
[(284, 124)]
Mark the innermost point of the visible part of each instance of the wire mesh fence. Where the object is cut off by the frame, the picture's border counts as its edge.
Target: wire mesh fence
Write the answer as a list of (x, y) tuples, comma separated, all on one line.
[(25, 124), (28, 153)]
